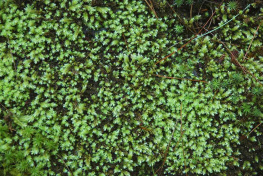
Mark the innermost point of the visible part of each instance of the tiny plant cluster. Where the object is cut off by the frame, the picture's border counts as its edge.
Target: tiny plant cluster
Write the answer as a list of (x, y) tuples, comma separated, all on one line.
[(81, 93)]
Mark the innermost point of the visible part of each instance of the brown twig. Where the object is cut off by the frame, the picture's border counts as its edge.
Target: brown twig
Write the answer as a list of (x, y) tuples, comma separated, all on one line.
[(180, 19), (125, 42), (181, 131), (184, 160), (66, 165), (166, 152), (191, 11), (8, 119), (167, 149), (189, 40), (150, 4), (252, 40), (235, 61), (168, 77), (145, 129), (210, 20), (254, 129)]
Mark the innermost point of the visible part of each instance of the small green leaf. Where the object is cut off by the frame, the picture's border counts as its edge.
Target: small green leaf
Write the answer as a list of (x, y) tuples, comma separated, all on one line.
[(85, 16)]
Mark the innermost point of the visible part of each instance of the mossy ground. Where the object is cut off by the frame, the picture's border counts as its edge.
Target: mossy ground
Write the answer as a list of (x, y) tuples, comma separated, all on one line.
[(84, 90)]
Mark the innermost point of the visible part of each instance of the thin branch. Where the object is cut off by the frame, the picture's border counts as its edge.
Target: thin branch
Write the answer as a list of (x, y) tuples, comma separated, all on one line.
[(235, 61), (233, 58), (66, 165), (254, 129), (6, 109), (188, 41), (167, 149), (125, 42), (252, 40), (181, 131), (180, 19), (184, 160), (191, 11), (153, 9), (166, 152), (195, 37), (150, 4)]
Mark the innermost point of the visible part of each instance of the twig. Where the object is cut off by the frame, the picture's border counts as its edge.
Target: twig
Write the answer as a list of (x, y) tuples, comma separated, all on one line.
[(166, 152), (235, 61), (167, 149), (180, 19), (125, 42), (181, 131), (188, 41), (191, 11), (210, 21), (8, 119), (150, 4), (252, 40), (5, 108), (233, 58), (254, 129), (66, 165), (195, 37), (200, 7), (184, 160)]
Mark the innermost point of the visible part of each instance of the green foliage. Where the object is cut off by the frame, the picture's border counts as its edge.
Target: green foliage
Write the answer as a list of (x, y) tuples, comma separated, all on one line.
[(215, 84), (181, 2), (257, 91), (237, 78), (256, 112), (179, 29), (81, 93), (232, 5), (246, 108)]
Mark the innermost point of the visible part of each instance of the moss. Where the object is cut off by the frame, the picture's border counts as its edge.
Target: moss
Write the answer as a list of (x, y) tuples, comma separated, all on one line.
[(83, 90)]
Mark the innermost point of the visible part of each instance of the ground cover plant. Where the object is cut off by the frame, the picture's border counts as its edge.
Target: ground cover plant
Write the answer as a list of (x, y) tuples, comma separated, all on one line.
[(153, 87)]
